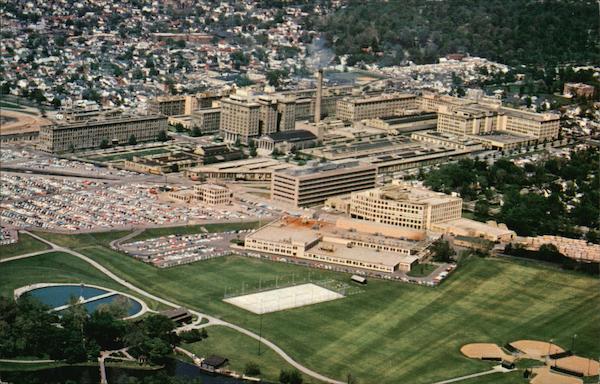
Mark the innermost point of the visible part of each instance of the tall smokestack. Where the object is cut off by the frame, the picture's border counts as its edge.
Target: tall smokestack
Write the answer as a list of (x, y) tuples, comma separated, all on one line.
[(319, 96)]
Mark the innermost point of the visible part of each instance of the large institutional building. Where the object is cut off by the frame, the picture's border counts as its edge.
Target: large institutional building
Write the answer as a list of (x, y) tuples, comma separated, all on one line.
[(404, 206), (313, 184), (371, 107), (62, 137), (247, 117), (325, 243)]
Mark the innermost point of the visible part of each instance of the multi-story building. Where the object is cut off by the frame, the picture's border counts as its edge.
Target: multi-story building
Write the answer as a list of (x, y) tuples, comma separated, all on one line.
[(210, 194), (542, 126), (208, 120), (578, 89), (240, 117), (90, 134), (247, 117), (485, 115), (324, 244), (213, 194), (466, 120), (286, 112), (370, 107), (404, 206), (313, 184), (172, 105)]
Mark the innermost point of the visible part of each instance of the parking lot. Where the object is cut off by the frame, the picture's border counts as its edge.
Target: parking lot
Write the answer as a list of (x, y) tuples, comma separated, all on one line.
[(173, 250), (32, 201)]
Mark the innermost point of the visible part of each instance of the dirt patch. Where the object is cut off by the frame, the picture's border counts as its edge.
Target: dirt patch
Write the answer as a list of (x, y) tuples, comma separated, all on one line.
[(587, 367), (545, 376), (535, 349), (485, 351), (19, 122)]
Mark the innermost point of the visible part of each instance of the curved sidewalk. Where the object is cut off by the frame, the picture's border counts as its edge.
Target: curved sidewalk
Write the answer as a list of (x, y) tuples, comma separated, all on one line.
[(211, 320)]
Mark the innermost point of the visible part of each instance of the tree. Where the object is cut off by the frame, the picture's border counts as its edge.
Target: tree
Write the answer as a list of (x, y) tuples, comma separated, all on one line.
[(238, 142), (175, 167), (442, 251), (252, 368), (252, 148), (196, 132), (482, 208), (290, 377), (104, 144), (132, 140), (162, 136)]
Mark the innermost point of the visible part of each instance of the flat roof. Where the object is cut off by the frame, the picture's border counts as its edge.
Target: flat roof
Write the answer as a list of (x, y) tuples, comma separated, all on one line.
[(325, 167), (280, 232), (366, 255)]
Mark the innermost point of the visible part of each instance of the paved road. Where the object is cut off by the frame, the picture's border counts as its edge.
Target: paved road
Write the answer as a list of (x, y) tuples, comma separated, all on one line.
[(211, 320)]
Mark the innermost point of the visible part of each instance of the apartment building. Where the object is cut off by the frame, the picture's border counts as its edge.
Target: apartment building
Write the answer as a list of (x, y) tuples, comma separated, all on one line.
[(371, 107), (89, 134), (314, 183), (404, 206)]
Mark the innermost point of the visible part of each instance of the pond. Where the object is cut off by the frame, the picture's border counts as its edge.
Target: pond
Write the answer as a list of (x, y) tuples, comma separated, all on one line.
[(56, 296)]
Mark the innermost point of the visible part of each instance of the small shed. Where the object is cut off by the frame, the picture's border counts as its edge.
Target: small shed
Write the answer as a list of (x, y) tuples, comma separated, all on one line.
[(359, 279), (212, 363), (178, 315)]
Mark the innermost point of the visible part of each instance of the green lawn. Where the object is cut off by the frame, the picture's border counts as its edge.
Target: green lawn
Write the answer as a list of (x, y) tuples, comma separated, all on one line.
[(422, 270), (407, 332), (239, 349), (26, 244), (56, 267), (7, 105)]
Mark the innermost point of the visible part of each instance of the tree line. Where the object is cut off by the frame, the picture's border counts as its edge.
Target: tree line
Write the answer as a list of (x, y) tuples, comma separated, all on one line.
[(509, 31), (554, 196)]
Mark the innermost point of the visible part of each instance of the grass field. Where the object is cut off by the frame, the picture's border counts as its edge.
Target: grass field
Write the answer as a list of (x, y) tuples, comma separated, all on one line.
[(56, 267), (422, 270), (391, 332), (240, 349), (7, 105), (26, 244)]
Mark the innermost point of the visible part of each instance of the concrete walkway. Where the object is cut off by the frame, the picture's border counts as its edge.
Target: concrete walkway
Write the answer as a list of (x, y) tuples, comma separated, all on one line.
[(211, 320), (496, 369)]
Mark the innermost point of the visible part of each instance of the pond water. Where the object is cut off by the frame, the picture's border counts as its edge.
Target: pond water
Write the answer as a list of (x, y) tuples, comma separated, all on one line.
[(91, 375), (59, 295)]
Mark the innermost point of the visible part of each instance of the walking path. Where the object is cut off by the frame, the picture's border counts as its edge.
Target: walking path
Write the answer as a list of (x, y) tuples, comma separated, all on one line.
[(115, 243), (496, 369), (211, 320)]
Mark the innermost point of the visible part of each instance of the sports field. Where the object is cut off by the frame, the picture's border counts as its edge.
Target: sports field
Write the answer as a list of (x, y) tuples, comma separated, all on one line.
[(280, 299), (391, 332)]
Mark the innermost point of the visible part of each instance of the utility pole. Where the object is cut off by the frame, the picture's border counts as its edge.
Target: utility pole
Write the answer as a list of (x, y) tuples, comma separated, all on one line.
[(260, 332)]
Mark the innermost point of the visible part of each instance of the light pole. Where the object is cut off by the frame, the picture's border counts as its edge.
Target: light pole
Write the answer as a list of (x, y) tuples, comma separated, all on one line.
[(549, 346)]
